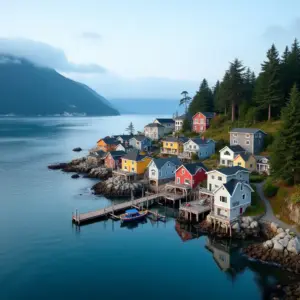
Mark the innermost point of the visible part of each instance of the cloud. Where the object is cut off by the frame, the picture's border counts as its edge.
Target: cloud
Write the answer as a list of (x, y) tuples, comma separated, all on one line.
[(46, 55), (94, 36)]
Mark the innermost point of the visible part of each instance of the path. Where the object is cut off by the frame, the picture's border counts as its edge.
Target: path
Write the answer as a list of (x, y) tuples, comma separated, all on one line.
[(269, 215)]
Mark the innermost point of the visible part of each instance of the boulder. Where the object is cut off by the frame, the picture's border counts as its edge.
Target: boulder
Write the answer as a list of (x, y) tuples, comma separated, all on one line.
[(285, 253), (278, 247), (280, 230), (269, 244), (280, 235), (75, 176), (244, 225), (274, 226), (294, 245), (254, 224), (287, 231), (284, 242), (236, 226), (77, 149)]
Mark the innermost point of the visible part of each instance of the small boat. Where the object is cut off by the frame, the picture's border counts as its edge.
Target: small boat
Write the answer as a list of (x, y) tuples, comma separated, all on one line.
[(133, 215)]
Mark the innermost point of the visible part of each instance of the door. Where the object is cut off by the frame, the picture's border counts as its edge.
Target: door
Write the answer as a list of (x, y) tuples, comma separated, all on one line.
[(210, 186), (241, 210)]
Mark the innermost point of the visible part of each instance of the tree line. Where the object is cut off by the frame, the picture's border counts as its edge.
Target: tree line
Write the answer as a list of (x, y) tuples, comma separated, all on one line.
[(243, 95)]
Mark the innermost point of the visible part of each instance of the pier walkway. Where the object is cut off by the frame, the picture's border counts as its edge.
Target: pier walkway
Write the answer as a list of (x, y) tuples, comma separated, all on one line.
[(92, 215)]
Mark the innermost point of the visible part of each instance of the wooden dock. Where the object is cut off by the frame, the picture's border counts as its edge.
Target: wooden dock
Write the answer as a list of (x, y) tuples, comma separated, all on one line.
[(110, 211)]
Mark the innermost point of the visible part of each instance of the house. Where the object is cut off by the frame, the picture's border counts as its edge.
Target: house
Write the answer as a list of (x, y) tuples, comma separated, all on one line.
[(216, 178), (173, 145), (229, 153), (204, 148), (201, 121), (251, 139), (231, 199), (124, 147), (96, 157), (179, 122), (154, 131), (191, 174), (263, 164), (168, 123), (134, 162), (123, 138), (113, 159), (161, 170), (108, 144), (140, 142), (245, 160)]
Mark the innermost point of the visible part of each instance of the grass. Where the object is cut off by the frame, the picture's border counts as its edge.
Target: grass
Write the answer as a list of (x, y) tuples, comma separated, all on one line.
[(255, 178), (257, 205), (212, 162)]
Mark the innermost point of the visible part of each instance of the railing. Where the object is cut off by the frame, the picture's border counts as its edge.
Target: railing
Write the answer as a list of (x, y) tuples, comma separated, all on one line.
[(167, 151), (187, 155)]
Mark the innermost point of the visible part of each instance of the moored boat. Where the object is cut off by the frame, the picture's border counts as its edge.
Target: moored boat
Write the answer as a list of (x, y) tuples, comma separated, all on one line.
[(133, 215)]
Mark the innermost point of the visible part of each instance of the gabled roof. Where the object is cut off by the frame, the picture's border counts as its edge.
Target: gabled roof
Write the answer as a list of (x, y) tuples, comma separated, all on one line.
[(194, 167), (160, 162), (117, 154), (139, 137), (244, 156), (125, 137), (235, 148), (230, 170), (261, 157), (207, 114), (246, 130), (164, 120), (154, 125), (200, 141), (175, 139), (100, 153), (134, 155), (110, 141), (231, 185), (125, 146)]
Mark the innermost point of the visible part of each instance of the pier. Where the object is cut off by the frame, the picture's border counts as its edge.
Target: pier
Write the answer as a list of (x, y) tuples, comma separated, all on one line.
[(197, 208), (110, 211)]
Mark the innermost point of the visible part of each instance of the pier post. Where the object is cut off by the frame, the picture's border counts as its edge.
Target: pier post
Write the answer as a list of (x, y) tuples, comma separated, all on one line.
[(76, 214)]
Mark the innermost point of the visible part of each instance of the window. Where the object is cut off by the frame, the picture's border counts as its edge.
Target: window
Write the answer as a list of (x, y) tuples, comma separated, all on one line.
[(235, 134), (186, 181), (182, 171), (247, 135), (239, 164), (125, 161), (220, 178), (168, 164), (251, 165), (235, 142), (247, 142), (223, 162), (194, 146), (212, 177), (125, 167), (178, 180), (167, 144), (201, 121), (190, 146), (153, 172), (171, 144), (132, 169), (223, 199), (243, 197), (241, 186)]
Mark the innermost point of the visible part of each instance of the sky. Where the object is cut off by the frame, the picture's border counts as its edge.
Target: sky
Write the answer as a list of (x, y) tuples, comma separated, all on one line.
[(146, 48)]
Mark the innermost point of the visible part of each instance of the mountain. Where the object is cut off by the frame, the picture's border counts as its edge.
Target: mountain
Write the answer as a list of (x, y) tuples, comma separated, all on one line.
[(28, 89), (147, 106)]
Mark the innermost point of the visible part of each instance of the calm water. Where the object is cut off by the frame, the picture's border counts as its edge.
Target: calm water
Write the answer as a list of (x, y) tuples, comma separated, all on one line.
[(42, 256)]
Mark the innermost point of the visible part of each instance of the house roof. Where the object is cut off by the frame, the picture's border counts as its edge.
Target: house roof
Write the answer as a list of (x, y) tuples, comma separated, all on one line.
[(110, 141), (154, 125), (260, 157), (207, 114), (160, 162), (231, 184), (193, 167), (182, 117), (231, 170), (244, 156), (139, 137), (175, 139), (246, 130), (124, 137), (117, 154), (165, 120), (134, 155), (236, 148), (200, 141), (125, 146)]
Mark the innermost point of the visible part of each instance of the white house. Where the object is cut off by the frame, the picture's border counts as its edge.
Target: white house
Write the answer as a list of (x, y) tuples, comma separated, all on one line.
[(229, 153), (154, 131), (231, 192), (179, 123), (204, 148), (231, 199), (168, 123), (263, 164), (162, 170)]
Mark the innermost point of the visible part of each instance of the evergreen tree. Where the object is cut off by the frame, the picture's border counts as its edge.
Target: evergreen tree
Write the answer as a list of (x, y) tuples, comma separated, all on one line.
[(130, 128), (185, 100), (292, 66), (285, 160), (285, 76), (221, 96), (270, 96), (203, 100), (216, 93)]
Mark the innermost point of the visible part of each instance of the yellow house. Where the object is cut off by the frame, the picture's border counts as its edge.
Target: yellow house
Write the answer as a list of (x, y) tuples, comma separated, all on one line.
[(172, 145), (246, 161), (134, 162)]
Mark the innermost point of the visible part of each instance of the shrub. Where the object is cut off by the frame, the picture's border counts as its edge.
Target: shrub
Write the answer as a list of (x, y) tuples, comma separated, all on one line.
[(217, 121), (270, 190), (295, 197), (220, 144), (256, 178), (195, 156), (215, 156)]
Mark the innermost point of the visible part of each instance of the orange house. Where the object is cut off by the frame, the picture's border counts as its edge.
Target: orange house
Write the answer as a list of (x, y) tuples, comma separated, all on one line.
[(108, 144)]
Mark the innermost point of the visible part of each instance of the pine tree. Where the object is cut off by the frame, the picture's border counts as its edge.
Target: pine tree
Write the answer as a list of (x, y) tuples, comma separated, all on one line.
[(203, 100), (185, 100), (285, 160), (130, 128), (270, 96), (222, 96)]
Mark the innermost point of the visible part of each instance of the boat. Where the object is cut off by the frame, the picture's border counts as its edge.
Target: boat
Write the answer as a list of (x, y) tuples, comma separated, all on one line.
[(133, 215)]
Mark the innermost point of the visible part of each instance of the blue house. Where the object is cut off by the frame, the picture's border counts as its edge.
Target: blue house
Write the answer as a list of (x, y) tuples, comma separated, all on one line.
[(140, 142)]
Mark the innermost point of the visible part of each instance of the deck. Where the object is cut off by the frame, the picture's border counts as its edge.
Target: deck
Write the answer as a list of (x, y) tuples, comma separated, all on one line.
[(197, 208)]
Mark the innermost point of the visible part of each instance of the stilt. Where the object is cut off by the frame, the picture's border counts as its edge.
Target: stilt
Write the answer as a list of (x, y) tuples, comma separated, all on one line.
[(230, 230)]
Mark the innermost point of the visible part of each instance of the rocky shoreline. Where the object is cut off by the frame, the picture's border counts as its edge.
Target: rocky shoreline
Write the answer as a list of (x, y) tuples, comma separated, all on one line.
[(118, 187)]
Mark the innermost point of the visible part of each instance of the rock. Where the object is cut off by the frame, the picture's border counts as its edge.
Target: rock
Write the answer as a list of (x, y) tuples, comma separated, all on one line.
[(254, 224), (294, 246), (236, 227), (57, 166), (77, 149), (287, 231), (75, 176), (284, 242), (274, 226), (269, 244), (244, 225), (278, 247), (280, 230), (285, 253), (280, 235)]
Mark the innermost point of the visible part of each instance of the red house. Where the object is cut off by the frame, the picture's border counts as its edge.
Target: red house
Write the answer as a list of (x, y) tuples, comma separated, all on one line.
[(201, 121), (113, 159), (191, 174)]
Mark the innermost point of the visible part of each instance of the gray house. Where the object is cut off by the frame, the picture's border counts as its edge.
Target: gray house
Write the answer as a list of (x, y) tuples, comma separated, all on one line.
[(251, 139), (140, 142), (154, 131)]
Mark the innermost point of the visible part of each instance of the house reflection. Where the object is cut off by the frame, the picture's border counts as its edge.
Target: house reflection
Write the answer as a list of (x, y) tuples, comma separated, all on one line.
[(186, 231)]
